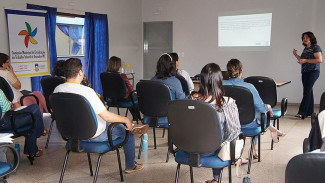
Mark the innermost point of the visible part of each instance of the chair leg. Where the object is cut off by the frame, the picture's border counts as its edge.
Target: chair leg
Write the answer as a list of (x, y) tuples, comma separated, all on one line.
[(49, 135), (97, 167), (119, 164), (154, 138), (229, 173), (250, 156), (272, 143), (118, 110), (64, 165), (90, 166), (126, 112), (163, 135), (140, 148), (259, 148), (167, 158), (191, 174), (177, 172)]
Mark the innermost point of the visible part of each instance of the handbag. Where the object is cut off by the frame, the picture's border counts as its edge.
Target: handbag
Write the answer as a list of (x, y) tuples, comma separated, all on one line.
[(224, 153)]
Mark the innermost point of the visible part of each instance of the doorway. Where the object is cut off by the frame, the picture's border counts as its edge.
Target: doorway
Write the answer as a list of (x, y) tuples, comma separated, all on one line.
[(157, 39)]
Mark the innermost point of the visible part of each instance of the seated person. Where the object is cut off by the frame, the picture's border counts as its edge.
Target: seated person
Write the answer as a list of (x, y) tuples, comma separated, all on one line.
[(58, 70), (114, 65), (22, 120), (235, 71), (74, 74), (7, 72), (183, 73), (211, 77), (165, 73)]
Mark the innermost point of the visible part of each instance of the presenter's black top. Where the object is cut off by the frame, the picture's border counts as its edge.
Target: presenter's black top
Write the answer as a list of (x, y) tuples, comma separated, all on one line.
[(308, 53)]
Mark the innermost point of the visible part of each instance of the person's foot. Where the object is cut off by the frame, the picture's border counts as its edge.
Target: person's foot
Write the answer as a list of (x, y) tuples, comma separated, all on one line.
[(300, 116), (274, 136), (280, 134), (38, 154), (45, 132), (139, 129), (136, 168)]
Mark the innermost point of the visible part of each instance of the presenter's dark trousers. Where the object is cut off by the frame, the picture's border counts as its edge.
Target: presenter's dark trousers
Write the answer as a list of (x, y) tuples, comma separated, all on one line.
[(307, 103)]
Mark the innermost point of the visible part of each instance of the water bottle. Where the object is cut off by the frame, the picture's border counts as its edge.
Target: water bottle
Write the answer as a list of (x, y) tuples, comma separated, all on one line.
[(145, 142), (17, 147), (122, 67)]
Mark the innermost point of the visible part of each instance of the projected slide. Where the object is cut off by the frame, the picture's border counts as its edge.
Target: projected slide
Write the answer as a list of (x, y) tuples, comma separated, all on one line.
[(244, 30)]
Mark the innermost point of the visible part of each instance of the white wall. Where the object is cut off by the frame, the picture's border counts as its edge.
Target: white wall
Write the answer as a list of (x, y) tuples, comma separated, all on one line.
[(195, 34), (124, 21)]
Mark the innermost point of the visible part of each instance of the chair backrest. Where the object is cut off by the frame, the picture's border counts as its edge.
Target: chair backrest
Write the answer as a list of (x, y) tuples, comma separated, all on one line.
[(244, 101), (153, 98), (184, 83), (48, 84), (266, 88), (5, 87), (194, 126), (322, 103), (113, 85), (75, 118), (308, 167)]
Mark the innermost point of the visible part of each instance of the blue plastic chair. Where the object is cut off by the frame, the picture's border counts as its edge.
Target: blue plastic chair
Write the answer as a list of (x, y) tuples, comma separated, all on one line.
[(266, 88), (153, 97), (80, 124), (246, 109), (48, 84), (114, 92), (195, 129)]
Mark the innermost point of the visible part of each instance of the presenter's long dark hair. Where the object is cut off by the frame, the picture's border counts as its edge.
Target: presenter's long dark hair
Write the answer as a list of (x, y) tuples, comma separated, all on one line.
[(311, 36), (211, 85)]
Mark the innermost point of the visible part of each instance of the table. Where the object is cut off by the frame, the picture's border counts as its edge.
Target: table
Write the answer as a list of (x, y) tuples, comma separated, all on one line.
[(281, 83)]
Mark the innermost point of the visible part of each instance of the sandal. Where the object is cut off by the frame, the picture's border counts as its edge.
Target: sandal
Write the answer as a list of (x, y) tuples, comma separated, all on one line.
[(136, 168), (300, 116), (212, 181), (38, 154), (45, 132)]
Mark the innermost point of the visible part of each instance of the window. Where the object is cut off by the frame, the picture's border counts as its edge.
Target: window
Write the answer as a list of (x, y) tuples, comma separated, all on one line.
[(69, 36)]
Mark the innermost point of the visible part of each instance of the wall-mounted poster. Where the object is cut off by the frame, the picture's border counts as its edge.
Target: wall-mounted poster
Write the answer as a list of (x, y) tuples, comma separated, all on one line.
[(28, 42)]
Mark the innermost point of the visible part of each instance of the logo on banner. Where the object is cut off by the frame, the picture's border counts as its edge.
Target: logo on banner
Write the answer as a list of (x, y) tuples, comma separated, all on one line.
[(29, 34)]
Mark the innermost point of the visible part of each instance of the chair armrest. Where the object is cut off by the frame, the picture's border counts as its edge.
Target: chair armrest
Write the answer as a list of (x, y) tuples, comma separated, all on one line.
[(16, 160), (14, 126), (28, 95), (109, 135), (284, 106), (265, 124)]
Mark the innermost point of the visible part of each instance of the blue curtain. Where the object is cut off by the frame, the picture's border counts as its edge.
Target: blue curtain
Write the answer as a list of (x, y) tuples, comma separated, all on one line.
[(51, 23), (96, 48), (75, 33)]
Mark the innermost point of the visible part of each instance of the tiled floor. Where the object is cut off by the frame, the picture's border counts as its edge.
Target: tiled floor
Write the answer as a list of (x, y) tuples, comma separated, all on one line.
[(271, 169)]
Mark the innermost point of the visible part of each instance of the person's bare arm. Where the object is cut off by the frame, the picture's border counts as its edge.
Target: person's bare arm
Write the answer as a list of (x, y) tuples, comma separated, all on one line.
[(112, 118), (17, 84), (318, 59)]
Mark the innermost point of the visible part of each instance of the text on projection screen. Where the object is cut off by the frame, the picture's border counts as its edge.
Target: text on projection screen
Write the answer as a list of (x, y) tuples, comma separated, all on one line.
[(244, 30)]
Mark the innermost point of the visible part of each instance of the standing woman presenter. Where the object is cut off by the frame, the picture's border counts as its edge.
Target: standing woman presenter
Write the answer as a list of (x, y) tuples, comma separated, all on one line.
[(310, 60)]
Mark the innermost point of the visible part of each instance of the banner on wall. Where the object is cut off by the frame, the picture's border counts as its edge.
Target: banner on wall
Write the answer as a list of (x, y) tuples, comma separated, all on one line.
[(28, 42)]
